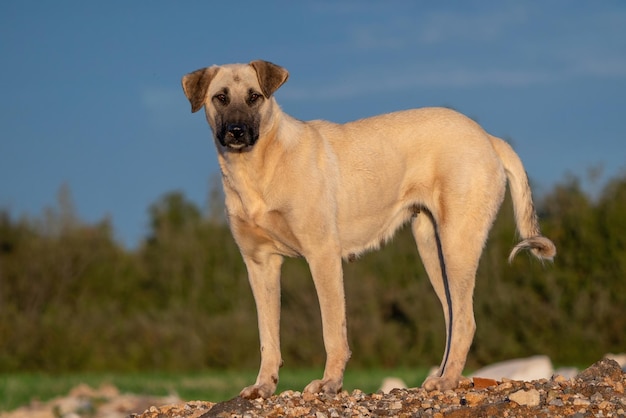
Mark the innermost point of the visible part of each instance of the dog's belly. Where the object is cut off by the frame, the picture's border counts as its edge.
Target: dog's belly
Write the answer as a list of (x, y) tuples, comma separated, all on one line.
[(368, 230)]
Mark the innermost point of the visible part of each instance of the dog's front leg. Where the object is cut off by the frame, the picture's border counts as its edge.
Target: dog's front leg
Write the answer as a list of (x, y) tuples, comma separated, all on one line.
[(328, 278), (264, 276)]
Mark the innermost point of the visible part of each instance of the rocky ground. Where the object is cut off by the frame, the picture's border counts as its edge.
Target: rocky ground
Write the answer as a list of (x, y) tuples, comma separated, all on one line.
[(598, 391)]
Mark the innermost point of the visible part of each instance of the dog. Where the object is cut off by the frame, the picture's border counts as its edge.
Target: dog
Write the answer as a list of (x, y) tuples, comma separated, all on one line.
[(327, 192)]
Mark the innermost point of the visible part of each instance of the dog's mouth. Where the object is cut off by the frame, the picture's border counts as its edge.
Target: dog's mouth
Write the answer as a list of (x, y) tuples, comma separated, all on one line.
[(236, 145)]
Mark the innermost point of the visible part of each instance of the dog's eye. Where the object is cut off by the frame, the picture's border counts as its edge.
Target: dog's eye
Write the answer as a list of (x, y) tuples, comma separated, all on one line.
[(222, 98), (254, 97)]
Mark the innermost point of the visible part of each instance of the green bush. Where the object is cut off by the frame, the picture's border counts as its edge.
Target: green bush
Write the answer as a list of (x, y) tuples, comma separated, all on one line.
[(72, 298)]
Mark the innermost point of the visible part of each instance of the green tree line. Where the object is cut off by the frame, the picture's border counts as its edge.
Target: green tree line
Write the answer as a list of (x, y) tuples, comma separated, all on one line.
[(72, 298)]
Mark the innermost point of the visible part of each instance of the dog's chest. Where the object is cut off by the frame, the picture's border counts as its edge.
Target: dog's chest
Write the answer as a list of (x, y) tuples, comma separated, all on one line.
[(256, 223)]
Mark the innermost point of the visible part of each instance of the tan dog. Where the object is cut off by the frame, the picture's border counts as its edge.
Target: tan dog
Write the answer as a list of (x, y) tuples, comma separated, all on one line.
[(325, 191)]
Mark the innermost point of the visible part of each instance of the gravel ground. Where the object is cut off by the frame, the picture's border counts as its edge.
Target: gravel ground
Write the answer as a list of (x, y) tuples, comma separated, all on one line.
[(596, 392)]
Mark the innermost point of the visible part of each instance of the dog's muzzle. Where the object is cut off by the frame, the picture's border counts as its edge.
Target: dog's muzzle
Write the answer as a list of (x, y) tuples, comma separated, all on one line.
[(236, 136)]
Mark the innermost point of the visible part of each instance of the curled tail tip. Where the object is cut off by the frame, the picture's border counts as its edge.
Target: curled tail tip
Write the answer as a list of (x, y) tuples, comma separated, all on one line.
[(540, 246)]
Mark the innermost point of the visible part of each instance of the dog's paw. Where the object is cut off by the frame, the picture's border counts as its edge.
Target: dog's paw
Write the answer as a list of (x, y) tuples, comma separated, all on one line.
[(258, 391), (441, 383), (327, 386)]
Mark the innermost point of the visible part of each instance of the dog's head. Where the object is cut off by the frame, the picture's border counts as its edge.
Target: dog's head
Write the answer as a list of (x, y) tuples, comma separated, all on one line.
[(237, 99)]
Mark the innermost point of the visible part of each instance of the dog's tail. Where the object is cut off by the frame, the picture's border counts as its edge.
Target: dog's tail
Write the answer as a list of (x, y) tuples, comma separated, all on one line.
[(525, 215)]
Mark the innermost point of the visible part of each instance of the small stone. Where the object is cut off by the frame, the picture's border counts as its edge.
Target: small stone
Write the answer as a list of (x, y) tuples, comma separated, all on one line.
[(505, 386), (526, 397), (396, 405), (596, 397), (581, 402), (358, 394), (556, 402), (465, 383), (300, 411), (473, 398), (553, 394), (481, 382)]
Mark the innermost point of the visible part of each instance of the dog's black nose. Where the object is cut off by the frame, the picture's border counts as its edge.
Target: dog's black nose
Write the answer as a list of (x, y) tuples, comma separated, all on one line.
[(237, 130)]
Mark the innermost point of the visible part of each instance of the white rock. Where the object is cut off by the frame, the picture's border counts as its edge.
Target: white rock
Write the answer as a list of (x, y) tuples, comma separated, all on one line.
[(526, 397), (531, 368), (391, 383)]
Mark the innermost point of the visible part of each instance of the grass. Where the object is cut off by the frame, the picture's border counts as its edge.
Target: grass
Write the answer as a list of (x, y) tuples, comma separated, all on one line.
[(20, 389)]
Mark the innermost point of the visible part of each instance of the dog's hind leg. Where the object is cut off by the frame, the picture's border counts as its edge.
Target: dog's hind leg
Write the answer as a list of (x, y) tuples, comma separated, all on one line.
[(450, 257), (264, 277)]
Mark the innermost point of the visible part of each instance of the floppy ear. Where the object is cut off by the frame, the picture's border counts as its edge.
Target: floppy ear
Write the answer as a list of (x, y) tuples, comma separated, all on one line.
[(271, 76), (196, 85)]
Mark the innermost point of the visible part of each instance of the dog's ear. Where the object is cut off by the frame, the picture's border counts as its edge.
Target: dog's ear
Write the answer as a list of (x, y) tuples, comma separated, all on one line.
[(271, 76), (196, 85)]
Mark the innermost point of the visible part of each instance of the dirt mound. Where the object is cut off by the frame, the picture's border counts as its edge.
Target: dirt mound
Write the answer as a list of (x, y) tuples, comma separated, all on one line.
[(597, 391)]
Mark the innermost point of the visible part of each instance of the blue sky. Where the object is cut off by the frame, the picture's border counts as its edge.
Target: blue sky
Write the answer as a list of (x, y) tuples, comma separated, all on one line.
[(91, 91)]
